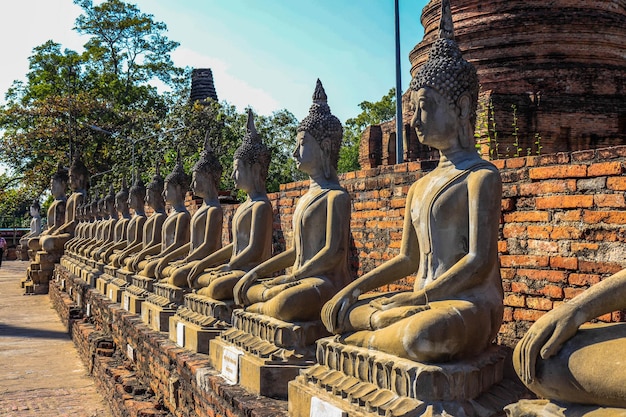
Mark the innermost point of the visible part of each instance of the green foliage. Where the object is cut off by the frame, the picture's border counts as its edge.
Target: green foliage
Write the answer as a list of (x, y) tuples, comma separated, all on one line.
[(372, 113)]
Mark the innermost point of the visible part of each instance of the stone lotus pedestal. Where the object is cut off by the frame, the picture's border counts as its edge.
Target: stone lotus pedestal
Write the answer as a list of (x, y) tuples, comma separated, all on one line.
[(262, 354), (353, 381), (198, 321), (160, 305)]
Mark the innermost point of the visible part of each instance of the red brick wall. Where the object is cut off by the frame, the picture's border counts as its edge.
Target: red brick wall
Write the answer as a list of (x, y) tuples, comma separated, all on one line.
[(562, 226)]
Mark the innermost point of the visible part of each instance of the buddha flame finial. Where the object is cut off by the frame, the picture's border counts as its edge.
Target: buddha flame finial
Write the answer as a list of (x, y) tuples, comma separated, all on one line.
[(253, 150), (446, 26), (319, 95)]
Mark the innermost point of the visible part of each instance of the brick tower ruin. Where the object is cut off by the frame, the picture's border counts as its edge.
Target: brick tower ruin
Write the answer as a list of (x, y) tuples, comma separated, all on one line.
[(202, 86), (558, 68)]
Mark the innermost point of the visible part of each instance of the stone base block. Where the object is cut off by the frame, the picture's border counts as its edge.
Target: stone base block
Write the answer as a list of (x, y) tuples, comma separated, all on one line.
[(191, 336), (133, 298), (170, 292), (102, 282), (139, 281), (156, 313), (115, 289), (358, 382), (546, 408), (261, 376)]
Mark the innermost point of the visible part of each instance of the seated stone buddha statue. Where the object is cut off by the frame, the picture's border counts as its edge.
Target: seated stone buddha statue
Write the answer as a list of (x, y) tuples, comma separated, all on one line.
[(206, 223), (134, 232), (79, 178), (175, 231), (121, 226), (107, 227), (152, 230), (564, 360), (321, 230), (449, 238), (35, 224), (56, 211), (251, 226)]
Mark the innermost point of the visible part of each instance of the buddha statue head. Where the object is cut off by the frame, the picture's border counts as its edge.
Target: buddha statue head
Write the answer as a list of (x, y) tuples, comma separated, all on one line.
[(445, 88), (137, 194), (58, 183), (79, 175), (176, 183), (109, 201), (154, 190), (94, 209), (251, 160), (121, 198), (206, 173), (325, 129), (35, 208)]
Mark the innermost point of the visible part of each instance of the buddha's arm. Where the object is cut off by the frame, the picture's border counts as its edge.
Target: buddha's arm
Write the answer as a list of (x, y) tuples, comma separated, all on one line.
[(216, 258), (484, 195), (258, 233), (267, 268), (406, 262), (212, 236), (169, 257), (552, 330), (334, 251)]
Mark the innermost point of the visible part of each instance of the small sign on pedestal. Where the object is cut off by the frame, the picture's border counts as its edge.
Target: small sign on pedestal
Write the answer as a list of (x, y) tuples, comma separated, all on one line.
[(230, 364)]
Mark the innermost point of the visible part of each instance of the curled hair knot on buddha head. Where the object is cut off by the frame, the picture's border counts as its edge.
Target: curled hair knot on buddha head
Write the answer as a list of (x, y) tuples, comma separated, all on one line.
[(122, 194), (209, 163), (445, 70), (78, 166), (60, 174), (321, 124), (138, 188), (253, 150), (158, 183), (178, 175)]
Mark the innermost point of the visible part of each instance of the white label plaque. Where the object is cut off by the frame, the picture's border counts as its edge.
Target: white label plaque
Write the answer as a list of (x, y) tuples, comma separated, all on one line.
[(180, 334), (126, 302), (320, 408), (88, 309), (63, 285), (111, 294), (230, 364), (130, 352), (79, 299)]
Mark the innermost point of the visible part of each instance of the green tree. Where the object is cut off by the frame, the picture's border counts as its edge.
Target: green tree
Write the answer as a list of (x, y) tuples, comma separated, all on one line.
[(372, 113)]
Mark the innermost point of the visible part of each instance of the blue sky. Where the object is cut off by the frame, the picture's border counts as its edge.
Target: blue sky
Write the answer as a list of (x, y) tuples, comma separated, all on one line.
[(263, 53)]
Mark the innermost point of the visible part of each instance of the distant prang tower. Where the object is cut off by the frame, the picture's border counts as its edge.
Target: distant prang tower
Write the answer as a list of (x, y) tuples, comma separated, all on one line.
[(202, 86), (558, 66)]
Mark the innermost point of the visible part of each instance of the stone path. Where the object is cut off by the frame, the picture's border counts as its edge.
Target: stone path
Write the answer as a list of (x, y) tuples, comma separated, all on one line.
[(41, 373)]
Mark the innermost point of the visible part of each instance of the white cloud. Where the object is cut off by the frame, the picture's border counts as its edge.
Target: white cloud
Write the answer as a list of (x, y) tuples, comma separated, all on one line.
[(230, 88)]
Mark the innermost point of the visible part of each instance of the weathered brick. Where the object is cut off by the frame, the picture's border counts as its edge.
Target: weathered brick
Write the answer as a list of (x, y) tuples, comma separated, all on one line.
[(612, 217), (527, 216), (543, 275), (564, 201), (547, 187), (527, 315), (539, 303), (599, 267), (552, 291), (515, 300), (564, 262), (559, 171), (542, 245), (616, 183), (594, 184), (583, 279), (609, 200), (568, 216), (524, 260), (604, 168)]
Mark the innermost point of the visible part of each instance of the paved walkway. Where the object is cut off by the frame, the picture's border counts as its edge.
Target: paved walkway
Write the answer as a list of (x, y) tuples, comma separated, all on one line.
[(41, 373)]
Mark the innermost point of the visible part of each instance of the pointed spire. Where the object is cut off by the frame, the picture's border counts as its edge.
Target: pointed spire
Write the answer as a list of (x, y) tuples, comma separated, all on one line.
[(319, 95), (207, 143), (446, 26), (251, 133)]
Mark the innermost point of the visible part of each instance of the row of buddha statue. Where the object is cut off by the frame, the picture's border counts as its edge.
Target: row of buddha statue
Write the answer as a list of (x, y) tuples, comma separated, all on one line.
[(299, 318)]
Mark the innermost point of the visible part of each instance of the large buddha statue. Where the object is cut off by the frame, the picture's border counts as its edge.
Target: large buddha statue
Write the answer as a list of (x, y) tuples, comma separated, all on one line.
[(206, 223), (35, 225), (449, 238), (79, 177), (564, 360), (107, 226), (130, 258), (56, 211), (175, 231), (251, 225), (321, 230), (134, 232)]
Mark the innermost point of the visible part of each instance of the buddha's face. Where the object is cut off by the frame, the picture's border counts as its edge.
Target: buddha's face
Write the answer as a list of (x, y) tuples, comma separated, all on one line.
[(57, 188), (153, 198), (171, 193), (201, 183), (34, 211), (436, 119), (243, 175), (76, 181), (135, 201), (308, 153), (121, 204)]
